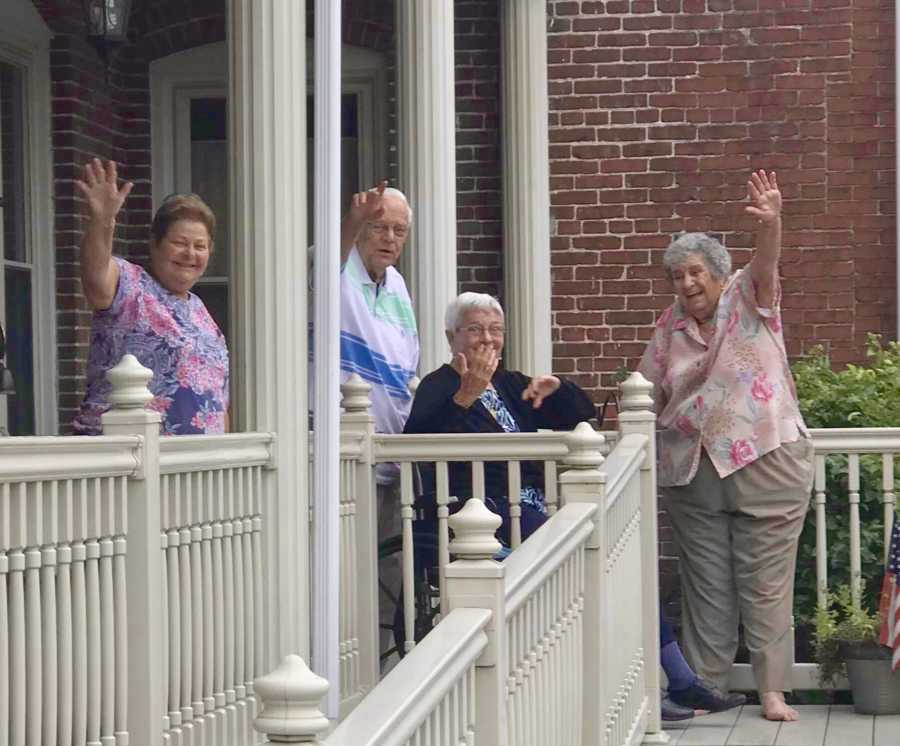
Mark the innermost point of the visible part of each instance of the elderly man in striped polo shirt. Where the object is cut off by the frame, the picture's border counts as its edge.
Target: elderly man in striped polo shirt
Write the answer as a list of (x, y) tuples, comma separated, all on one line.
[(378, 326)]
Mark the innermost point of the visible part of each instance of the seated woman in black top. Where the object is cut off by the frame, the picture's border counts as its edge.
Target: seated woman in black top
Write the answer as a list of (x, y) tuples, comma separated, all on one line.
[(472, 395)]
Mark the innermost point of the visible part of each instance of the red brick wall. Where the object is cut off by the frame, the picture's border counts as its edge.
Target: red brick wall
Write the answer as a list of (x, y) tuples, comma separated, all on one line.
[(659, 110), (479, 196)]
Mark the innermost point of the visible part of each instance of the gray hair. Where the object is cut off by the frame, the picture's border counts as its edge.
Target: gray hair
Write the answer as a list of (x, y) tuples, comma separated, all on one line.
[(465, 302), (392, 192), (714, 255)]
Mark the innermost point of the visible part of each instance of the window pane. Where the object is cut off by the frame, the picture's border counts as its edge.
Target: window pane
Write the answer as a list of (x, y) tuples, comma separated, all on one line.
[(12, 146), (209, 172), (19, 350), (215, 296)]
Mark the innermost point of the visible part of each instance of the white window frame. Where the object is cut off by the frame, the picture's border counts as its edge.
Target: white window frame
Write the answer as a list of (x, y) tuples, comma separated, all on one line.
[(25, 43), (201, 72)]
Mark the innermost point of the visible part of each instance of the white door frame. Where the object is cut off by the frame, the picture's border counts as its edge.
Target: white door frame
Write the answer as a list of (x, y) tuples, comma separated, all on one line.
[(25, 43)]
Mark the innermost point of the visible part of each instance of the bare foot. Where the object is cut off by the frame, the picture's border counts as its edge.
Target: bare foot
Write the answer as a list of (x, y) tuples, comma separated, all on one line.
[(775, 708)]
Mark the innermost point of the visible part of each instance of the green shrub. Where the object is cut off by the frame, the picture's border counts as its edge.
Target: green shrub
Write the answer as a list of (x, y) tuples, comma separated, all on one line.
[(858, 396), (840, 627)]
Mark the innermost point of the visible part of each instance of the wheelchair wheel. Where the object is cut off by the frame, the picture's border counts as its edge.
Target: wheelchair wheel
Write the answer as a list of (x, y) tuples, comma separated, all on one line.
[(426, 590)]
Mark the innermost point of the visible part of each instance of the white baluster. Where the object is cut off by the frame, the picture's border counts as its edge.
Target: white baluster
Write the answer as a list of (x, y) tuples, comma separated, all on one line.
[(406, 517), (174, 625), (514, 479), (855, 556), (94, 653), (443, 513), (79, 644), (17, 647), (4, 650), (120, 584), (219, 619), (197, 650), (250, 602), (290, 697), (821, 532), (49, 650), (888, 498), (209, 650), (108, 645), (186, 658)]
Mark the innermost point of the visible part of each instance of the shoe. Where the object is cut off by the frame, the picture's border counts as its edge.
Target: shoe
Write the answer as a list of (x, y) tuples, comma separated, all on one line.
[(669, 711), (702, 695)]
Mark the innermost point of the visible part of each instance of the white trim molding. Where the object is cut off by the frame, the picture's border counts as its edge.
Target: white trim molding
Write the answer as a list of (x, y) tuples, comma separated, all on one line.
[(267, 210), (427, 139), (526, 186), (25, 43)]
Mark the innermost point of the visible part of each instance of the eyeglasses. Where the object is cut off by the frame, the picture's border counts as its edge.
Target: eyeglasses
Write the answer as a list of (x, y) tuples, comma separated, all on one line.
[(383, 229), (477, 330)]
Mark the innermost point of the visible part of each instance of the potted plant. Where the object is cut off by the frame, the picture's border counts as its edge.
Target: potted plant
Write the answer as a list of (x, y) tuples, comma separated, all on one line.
[(847, 645)]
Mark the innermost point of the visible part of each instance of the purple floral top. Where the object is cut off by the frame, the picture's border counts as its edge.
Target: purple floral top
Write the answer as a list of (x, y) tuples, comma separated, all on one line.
[(177, 339)]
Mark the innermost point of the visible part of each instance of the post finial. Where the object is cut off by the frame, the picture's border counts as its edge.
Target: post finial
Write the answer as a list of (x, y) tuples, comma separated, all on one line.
[(637, 393), (473, 531), (585, 447), (290, 696), (129, 381), (355, 394)]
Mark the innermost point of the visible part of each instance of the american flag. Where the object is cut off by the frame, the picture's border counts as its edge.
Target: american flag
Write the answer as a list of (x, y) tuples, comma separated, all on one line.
[(890, 599)]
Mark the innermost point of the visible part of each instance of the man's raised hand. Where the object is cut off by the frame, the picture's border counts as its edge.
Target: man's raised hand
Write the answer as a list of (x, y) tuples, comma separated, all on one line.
[(368, 206)]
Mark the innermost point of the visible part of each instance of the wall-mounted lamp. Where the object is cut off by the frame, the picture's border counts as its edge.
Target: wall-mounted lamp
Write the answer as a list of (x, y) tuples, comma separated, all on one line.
[(107, 22)]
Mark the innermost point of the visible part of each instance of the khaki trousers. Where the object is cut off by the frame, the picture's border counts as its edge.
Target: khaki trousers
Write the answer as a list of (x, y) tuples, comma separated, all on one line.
[(738, 546)]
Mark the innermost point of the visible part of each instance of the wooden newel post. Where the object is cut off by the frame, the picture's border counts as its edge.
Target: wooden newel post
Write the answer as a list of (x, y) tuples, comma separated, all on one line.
[(476, 580), (290, 697), (143, 562), (583, 481), (357, 428), (636, 415)]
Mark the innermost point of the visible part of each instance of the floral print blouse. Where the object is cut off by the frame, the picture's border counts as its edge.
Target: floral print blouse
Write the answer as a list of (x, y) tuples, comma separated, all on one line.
[(733, 396), (175, 338)]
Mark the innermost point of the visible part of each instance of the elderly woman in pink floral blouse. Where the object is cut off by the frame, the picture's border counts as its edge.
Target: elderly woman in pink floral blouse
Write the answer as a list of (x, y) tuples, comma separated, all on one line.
[(735, 459)]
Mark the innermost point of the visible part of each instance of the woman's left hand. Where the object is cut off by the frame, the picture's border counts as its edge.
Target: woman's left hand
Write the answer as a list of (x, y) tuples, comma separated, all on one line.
[(765, 197), (539, 389)]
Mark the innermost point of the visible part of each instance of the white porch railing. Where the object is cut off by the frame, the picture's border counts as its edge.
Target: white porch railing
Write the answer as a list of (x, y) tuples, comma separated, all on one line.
[(564, 646), (134, 602), (882, 445)]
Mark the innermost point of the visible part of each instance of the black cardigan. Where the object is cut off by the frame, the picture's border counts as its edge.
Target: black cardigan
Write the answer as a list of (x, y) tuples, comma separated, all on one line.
[(434, 411)]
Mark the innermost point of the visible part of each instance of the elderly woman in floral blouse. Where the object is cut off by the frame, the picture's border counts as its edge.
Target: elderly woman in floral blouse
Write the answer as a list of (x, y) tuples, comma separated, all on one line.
[(152, 314), (735, 459)]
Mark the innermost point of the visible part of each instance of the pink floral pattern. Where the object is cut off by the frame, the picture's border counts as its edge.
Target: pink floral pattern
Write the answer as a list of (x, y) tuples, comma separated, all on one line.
[(732, 395), (177, 339)]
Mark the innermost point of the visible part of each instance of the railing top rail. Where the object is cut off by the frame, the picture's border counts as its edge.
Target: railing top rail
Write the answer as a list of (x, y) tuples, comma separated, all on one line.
[(465, 446), (393, 710), (855, 439), (32, 458), (529, 566), (622, 463), (209, 452)]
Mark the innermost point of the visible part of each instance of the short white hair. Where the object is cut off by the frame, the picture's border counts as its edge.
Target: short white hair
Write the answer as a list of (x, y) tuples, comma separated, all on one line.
[(465, 302), (392, 192)]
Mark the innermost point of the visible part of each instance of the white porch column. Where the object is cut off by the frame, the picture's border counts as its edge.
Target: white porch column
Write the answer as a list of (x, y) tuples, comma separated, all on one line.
[(427, 140), (267, 205), (526, 186)]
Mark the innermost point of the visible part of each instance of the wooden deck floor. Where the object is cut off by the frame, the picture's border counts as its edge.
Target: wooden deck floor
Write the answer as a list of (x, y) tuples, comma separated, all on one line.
[(819, 725)]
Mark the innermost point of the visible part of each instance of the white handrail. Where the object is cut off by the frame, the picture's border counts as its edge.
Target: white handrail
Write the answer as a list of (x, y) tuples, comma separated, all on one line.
[(48, 458), (393, 711), (464, 446), (855, 440), (208, 452), (537, 559)]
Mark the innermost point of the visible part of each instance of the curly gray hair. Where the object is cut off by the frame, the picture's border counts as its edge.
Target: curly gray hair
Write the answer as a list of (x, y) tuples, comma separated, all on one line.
[(715, 256), (465, 302)]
